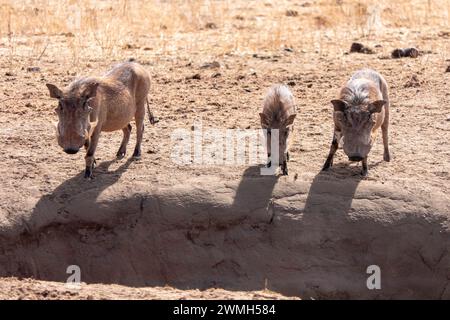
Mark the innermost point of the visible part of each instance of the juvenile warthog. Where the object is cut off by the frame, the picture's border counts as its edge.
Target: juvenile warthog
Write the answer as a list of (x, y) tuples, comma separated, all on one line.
[(91, 105), (362, 107), (279, 113)]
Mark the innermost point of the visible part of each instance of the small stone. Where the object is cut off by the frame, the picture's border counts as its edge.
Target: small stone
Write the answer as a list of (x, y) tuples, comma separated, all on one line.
[(407, 52), (291, 13), (210, 25), (413, 82), (210, 65), (194, 77), (360, 48), (33, 69)]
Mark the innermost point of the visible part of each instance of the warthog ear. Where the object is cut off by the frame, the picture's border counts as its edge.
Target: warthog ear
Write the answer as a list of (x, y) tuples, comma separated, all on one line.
[(290, 120), (54, 91), (376, 106), (339, 105), (91, 90), (265, 121)]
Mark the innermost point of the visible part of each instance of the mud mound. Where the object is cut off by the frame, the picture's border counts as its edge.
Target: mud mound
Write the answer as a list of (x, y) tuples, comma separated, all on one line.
[(309, 240)]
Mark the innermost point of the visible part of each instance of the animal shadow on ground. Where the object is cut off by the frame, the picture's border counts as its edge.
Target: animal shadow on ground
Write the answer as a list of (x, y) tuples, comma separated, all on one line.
[(254, 189), (49, 214), (332, 191), (102, 180)]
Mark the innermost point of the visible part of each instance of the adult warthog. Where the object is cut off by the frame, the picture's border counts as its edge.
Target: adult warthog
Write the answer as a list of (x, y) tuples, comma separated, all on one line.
[(90, 105), (362, 108)]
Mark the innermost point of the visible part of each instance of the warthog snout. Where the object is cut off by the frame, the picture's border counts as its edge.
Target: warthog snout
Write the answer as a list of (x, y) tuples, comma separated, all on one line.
[(355, 158), (71, 150)]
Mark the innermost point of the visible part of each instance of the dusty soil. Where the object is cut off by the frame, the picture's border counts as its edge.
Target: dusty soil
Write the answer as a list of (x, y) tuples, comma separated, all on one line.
[(228, 96), (30, 289), (34, 164)]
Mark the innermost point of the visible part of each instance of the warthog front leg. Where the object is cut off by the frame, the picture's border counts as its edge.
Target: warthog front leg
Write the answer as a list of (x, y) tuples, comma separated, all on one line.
[(90, 160), (123, 146), (365, 170), (334, 146), (86, 144), (284, 168)]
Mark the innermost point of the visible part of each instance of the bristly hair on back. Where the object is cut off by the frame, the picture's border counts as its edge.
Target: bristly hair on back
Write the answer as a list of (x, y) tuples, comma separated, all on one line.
[(279, 103), (359, 92)]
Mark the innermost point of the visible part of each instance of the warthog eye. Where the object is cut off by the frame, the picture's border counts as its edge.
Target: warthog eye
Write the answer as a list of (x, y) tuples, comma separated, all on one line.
[(85, 104)]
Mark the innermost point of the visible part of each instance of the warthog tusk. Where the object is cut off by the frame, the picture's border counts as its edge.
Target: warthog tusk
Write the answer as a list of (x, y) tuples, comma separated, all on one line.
[(92, 126), (56, 128)]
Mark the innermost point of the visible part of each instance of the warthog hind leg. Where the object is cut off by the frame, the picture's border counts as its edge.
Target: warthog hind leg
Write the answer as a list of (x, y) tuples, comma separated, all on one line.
[(385, 135), (139, 117), (123, 146)]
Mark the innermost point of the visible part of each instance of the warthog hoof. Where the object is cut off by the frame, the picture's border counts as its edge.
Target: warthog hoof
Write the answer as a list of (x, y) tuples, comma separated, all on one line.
[(153, 120), (137, 154), (327, 165), (88, 173), (284, 169), (120, 154), (386, 157)]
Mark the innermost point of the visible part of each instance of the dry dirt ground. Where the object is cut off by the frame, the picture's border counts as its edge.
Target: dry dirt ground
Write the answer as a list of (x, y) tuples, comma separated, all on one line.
[(19, 289), (227, 95)]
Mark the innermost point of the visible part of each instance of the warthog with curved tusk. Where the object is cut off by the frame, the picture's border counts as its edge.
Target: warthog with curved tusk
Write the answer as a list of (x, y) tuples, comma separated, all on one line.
[(362, 108), (90, 105)]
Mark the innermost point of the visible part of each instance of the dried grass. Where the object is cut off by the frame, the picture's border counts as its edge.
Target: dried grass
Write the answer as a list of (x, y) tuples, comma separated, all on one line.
[(107, 28)]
